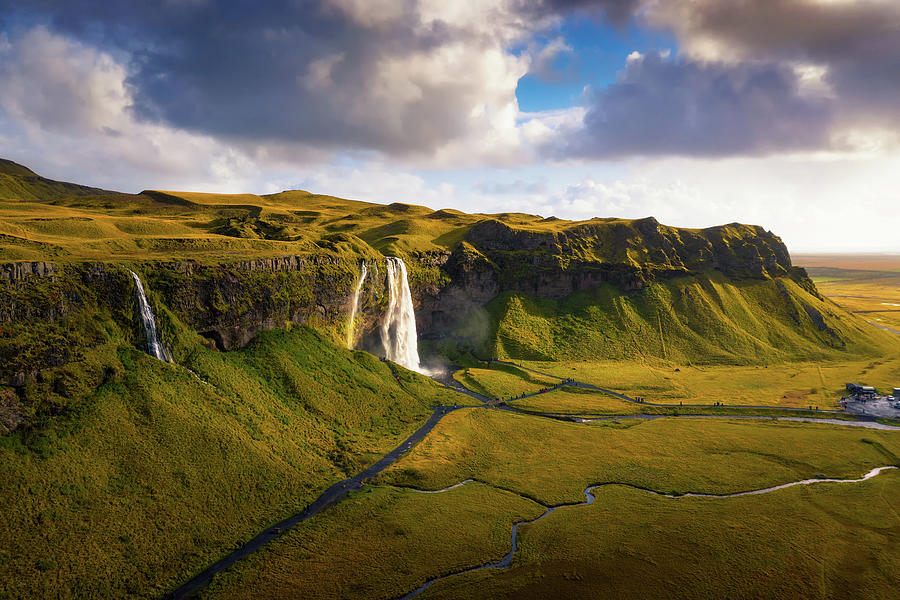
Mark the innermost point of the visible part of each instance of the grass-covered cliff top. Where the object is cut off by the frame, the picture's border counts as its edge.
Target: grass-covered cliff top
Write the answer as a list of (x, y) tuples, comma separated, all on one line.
[(41, 219)]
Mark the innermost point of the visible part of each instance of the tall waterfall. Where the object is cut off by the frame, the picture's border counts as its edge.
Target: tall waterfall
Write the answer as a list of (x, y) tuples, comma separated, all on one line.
[(398, 329), (354, 307), (154, 345)]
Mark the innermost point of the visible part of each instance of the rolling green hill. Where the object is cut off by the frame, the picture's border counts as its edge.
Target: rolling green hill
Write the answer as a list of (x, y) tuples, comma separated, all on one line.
[(41, 219), (510, 284), (124, 490), (126, 474)]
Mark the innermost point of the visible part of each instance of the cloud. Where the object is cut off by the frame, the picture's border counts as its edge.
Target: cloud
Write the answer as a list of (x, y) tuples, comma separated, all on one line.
[(545, 58), (616, 11), (432, 83), (65, 107), (404, 78), (750, 78), (855, 46), (661, 105), (511, 187)]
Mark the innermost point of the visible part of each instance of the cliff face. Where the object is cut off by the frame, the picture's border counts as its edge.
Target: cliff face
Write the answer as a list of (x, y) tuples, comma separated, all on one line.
[(495, 258), (47, 314), (52, 314), (230, 303)]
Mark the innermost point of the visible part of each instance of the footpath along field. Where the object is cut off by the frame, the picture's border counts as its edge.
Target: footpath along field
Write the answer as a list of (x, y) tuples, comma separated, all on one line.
[(789, 385)]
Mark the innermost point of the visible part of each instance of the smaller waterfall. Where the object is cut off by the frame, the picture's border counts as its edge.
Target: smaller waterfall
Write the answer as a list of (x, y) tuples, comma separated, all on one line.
[(354, 306), (154, 345), (398, 329)]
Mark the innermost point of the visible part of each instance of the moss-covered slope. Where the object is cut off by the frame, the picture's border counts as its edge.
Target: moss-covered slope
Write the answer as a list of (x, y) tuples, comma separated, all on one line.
[(134, 486), (700, 319)]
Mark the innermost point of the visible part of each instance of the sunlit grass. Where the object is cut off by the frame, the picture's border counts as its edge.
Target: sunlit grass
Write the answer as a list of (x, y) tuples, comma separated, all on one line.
[(159, 474), (629, 544), (384, 543), (554, 461), (380, 543)]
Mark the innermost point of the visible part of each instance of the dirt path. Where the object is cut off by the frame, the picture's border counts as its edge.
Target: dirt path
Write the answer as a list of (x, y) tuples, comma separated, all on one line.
[(588, 386), (888, 329), (865, 424), (329, 498)]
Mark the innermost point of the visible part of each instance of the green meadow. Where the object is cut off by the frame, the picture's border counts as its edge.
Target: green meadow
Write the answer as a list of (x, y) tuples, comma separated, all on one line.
[(819, 541), (554, 461), (629, 541), (704, 320), (381, 543), (41, 219), (779, 385)]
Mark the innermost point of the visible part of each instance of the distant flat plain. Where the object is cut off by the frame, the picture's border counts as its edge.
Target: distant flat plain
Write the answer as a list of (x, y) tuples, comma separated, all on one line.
[(867, 284)]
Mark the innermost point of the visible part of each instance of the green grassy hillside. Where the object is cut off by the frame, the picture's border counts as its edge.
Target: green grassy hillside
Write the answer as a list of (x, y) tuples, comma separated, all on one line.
[(702, 319), (386, 541), (43, 219), (124, 475), (156, 474), (725, 294)]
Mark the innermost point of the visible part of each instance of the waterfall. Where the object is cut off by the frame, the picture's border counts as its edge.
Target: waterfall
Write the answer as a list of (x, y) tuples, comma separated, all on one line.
[(154, 345), (398, 329), (354, 306)]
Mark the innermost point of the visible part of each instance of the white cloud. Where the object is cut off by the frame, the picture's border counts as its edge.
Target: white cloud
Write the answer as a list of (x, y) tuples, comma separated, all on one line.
[(67, 111), (69, 108)]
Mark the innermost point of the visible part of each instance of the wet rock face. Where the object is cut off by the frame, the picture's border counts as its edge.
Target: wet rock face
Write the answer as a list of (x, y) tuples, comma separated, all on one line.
[(40, 305), (12, 414), (231, 303), (22, 270)]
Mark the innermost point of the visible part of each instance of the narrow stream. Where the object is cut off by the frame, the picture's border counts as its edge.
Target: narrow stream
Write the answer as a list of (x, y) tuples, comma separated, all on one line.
[(506, 560)]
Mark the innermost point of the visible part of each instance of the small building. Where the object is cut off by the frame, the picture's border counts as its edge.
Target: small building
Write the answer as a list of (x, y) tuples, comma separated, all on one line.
[(896, 394), (853, 388), (866, 392)]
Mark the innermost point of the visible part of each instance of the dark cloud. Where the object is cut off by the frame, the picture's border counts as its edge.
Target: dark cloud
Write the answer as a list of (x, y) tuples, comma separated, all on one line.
[(665, 106), (326, 73), (616, 11), (378, 75), (317, 72), (741, 85), (783, 27), (856, 43)]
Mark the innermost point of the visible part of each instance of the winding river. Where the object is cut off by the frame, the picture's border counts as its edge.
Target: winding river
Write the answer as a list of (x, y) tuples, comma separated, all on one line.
[(506, 560)]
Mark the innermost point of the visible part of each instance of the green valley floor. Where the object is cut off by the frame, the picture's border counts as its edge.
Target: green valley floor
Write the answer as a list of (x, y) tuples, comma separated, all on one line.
[(817, 540)]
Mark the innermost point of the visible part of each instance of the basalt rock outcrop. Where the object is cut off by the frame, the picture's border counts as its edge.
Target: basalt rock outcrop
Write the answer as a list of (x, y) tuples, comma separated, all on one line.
[(50, 313), (494, 258), (231, 303)]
